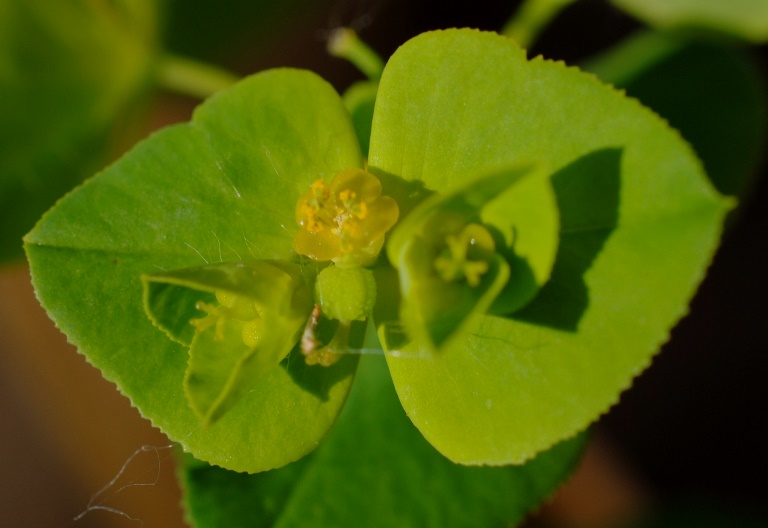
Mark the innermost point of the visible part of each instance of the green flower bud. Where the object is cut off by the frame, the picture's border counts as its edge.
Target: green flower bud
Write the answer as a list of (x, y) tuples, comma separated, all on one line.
[(346, 294)]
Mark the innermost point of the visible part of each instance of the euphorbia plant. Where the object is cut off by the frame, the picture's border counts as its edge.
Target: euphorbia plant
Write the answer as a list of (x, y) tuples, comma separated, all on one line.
[(519, 242)]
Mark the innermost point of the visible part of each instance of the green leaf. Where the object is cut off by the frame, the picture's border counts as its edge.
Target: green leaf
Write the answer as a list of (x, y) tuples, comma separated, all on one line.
[(746, 19), (374, 470), (714, 95), (239, 342), (435, 307), (639, 223), (69, 73), (221, 188)]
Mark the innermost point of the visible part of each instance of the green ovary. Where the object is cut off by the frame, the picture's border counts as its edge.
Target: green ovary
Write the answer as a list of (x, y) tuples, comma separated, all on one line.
[(346, 294)]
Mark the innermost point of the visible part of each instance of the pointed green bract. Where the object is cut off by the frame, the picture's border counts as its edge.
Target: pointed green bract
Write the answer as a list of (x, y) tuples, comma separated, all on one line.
[(255, 320), (171, 298), (222, 188), (639, 223), (376, 469), (222, 369), (746, 19)]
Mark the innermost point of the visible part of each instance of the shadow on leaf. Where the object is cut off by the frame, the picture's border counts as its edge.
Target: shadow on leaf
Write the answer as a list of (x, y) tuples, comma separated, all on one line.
[(407, 193), (316, 379), (587, 194)]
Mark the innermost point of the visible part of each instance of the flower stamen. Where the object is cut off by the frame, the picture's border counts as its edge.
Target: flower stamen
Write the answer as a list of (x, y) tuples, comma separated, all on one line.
[(466, 255), (231, 307), (345, 220)]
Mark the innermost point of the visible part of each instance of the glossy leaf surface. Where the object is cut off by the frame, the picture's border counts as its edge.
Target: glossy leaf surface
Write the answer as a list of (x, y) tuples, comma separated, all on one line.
[(222, 188), (68, 73), (639, 223), (374, 470)]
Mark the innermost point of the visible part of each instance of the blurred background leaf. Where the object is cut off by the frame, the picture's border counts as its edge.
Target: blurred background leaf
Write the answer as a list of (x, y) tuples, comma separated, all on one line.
[(743, 19), (70, 75)]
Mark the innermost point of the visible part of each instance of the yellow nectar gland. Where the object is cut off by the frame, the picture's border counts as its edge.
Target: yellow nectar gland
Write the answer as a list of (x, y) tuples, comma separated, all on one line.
[(466, 255), (231, 306), (344, 220)]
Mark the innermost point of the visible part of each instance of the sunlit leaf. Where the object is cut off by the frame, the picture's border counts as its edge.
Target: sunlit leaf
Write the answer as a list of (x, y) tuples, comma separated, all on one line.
[(639, 223), (220, 189)]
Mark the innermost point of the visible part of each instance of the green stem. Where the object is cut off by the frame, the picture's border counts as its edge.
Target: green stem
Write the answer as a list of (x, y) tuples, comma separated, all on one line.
[(344, 43), (531, 18), (192, 78)]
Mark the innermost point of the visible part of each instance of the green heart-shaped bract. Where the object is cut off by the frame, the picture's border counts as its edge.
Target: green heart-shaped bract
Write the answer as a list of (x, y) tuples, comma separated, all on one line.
[(220, 188), (639, 223)]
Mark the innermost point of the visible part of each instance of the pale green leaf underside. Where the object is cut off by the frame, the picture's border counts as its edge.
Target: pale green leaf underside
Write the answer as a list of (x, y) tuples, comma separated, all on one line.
[(746, 19), (639, 225), (68, 72), (221, 188), (374, 470)]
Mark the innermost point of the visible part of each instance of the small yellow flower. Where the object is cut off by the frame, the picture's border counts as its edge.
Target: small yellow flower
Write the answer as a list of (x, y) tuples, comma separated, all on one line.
[(345, 220), (231, 306), (466, 255)]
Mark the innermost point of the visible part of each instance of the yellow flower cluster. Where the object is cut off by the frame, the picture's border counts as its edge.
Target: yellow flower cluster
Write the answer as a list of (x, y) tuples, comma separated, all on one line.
[(344, 221)]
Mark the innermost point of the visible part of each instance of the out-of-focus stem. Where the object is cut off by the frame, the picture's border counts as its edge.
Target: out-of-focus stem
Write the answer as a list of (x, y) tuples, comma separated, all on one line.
[(531, 18), (345, 43), (193, 78)]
